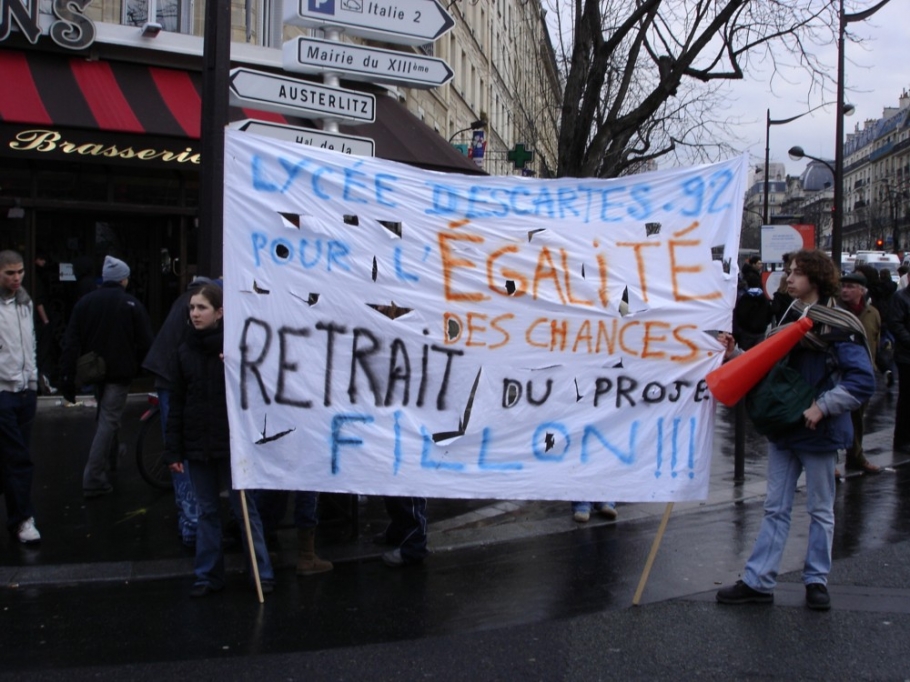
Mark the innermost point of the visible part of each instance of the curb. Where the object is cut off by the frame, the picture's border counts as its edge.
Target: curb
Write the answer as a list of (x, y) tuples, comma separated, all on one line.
[(482, 527)]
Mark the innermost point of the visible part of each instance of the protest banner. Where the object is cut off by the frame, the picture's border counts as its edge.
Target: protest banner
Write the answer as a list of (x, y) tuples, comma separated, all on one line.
[(396, 331)]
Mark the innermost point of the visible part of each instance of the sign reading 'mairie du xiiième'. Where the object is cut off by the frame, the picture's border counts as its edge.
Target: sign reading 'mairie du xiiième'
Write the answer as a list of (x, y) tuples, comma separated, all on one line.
[(403, 22), (371, 64)]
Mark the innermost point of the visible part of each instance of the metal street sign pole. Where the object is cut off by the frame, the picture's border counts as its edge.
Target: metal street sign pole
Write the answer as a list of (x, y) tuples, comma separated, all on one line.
[(369, 64), (402, 22), (216, 59)]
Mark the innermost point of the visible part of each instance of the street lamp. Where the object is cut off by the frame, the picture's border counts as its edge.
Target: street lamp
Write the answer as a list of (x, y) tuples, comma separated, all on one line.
[(479, 124), (838, 222), (797, 153), (848, 110)]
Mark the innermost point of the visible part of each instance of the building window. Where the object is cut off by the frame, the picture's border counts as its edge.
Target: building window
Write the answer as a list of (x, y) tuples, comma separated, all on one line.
[(168, 13)]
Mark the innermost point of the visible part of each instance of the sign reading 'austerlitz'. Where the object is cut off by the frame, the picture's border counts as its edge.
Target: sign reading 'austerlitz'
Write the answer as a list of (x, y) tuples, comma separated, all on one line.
[(371, 64), (403, 22), (295, 97)]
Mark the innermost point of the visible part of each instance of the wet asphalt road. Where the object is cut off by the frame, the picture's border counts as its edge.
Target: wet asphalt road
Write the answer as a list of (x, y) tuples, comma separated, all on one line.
[(550, 607), (499, 590)]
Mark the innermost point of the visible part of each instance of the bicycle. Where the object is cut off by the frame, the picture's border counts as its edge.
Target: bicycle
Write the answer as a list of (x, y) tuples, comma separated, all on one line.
[(150, 448)]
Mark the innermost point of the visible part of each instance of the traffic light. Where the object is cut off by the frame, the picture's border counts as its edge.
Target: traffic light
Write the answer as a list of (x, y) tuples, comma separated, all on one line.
[(879, 243)]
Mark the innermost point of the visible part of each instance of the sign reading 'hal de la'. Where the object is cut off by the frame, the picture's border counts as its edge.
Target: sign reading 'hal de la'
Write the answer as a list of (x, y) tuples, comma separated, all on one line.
[(403, 22), (346, 144), (295, 97)]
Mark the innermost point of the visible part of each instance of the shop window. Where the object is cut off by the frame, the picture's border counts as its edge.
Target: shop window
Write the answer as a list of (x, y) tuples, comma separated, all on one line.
[(145, 190), (261, 25), (67, 185), (14, 181)]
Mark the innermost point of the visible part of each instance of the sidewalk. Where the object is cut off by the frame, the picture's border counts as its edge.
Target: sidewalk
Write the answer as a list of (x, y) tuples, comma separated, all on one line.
[(132, 534)]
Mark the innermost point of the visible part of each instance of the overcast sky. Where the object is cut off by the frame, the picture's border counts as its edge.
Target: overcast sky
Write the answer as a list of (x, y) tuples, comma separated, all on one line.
[(876, 73)]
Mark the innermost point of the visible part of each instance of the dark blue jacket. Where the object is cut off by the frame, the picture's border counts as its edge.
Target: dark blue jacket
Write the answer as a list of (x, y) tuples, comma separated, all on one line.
[(843, 377), (115, 325)]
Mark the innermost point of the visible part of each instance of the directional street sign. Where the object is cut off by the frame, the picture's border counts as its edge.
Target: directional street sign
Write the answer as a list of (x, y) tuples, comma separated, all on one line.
[(269, 92), (346, 144), (371, 64), (403, 22)]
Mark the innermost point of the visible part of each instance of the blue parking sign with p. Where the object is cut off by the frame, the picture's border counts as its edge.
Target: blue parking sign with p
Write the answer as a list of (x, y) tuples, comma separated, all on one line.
[(322, 6)]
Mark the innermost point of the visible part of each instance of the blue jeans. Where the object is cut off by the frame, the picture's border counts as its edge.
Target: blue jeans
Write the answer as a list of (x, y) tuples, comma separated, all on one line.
[(408, 526), (184, 496), (784, 468), (305, 508), (207, 477), (111, 402), (586, 506), (273, 505), (17, 414)]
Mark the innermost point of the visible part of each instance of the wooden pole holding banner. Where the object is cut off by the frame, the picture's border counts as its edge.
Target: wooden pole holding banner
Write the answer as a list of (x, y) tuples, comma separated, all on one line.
[(653, 553), (249, 542)]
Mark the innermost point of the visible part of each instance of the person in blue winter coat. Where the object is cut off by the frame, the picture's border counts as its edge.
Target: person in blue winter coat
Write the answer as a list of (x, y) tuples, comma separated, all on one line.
[(834, 358)]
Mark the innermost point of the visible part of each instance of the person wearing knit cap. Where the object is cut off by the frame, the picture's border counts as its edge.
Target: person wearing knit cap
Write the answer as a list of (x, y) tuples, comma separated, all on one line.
[(114, 270), (114, 325)]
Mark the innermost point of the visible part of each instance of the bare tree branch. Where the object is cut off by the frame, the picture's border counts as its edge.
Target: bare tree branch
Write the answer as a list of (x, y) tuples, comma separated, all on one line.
[(642, 77)]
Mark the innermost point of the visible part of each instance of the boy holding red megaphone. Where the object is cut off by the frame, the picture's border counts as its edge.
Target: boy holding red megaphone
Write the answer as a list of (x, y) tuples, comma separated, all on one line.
[(827, 347)]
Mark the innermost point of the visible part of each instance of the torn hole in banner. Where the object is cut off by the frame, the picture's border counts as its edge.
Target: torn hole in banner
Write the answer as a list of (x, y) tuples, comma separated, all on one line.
[(452, 328), (531, 233), (311, 298), (265, 437), (351, 220), (717, 256), (652, 229), (391, 310), (712, 334), (259, 290), (392, 226), (445, 437), (374, 273)]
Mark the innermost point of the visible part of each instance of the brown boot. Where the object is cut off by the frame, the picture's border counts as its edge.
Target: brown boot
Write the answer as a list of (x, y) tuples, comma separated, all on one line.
[(307, 561)]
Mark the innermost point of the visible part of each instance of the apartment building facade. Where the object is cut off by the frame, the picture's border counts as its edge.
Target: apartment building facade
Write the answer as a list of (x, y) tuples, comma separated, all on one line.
[(877, 181)]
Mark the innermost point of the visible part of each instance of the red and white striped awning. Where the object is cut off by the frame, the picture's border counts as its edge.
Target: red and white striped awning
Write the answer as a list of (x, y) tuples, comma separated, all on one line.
[(41, 88)]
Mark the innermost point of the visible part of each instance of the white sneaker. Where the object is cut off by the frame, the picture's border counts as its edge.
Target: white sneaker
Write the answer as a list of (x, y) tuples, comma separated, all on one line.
[(27, 533), (581, 516)]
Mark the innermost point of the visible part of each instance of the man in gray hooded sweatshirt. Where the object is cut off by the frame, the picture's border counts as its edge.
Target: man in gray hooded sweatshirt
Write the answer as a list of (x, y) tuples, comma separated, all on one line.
[(18, 397)]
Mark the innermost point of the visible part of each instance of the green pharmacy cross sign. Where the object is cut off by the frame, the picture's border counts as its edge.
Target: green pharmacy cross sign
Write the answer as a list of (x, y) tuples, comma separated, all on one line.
[(519, 156)]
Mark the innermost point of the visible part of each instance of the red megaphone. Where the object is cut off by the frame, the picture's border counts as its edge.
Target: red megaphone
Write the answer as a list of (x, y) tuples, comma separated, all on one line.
[(732, 380)]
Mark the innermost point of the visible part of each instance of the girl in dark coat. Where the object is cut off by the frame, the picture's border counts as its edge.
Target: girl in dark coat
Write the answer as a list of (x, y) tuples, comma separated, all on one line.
[(198, 433)]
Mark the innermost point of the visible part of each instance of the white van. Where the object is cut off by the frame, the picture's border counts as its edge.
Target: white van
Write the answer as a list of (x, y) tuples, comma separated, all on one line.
[(879, 260)]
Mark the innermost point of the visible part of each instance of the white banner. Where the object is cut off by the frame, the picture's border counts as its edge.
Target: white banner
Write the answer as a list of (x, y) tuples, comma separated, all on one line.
[(391, 330)]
